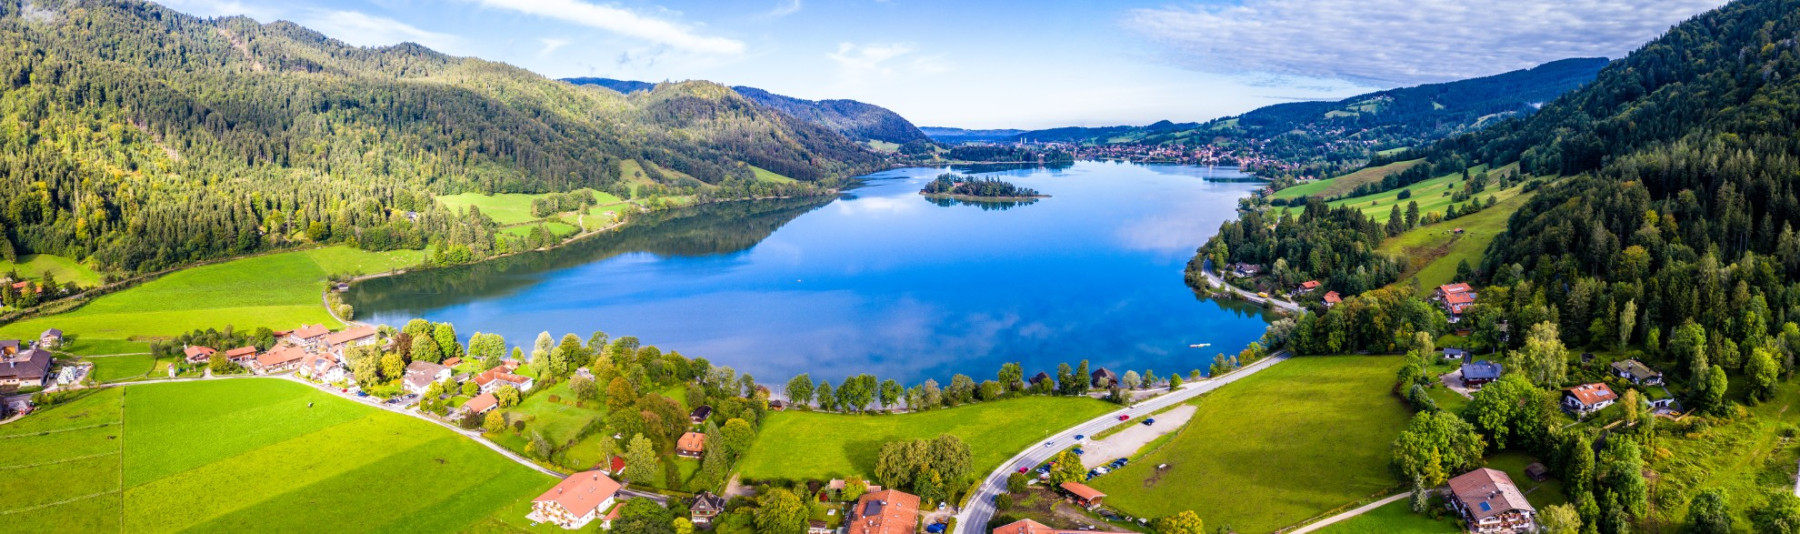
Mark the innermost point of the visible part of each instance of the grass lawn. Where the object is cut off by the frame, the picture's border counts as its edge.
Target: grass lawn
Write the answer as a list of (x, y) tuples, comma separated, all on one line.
[(1747, 457), (33, 267), (557, 229), (268, 455), (1343, 185), (1275, 448), (121, 368), (770, 176), (812, 445), (1541, 494), (102, 347), (1393, 518), (1433, 195), (1433, 251), (279, 291)]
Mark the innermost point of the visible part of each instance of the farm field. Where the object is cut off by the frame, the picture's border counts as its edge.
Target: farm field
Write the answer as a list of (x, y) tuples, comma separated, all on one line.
[(1392, 518), (1275, 448), (33, 267), (812, 445), (270, 455), (121, 368), (1433, 251), (508, 208), (770, 176), (276, 290), (1343, 185)]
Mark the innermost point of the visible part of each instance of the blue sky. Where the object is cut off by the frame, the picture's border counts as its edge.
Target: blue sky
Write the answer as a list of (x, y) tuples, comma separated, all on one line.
[(984, 64)]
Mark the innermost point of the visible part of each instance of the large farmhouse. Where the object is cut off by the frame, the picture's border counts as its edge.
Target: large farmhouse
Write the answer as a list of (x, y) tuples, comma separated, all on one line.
[(576, 501)]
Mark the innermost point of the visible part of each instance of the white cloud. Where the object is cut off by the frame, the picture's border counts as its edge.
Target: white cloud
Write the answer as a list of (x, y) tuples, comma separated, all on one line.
[(785, 8), (362, 29), (861, 63), (551, 45), (621, 21), (1404, 41)]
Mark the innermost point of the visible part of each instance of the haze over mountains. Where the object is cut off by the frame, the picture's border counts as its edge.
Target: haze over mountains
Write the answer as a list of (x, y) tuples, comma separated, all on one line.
[(857, 120)]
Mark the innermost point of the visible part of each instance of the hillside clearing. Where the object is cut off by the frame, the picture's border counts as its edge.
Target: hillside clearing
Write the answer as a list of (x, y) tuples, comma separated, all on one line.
[(63, 270), (1433, 251), (1344, 185)]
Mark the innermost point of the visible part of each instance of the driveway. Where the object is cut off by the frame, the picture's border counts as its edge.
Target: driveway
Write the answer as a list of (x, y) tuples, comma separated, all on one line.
[(1214, 279), (1454, 381), (1128, 441)]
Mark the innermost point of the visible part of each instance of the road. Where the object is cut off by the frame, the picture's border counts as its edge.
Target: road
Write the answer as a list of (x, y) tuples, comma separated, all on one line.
[(1214, 279), (974, 518), (1360, 510)]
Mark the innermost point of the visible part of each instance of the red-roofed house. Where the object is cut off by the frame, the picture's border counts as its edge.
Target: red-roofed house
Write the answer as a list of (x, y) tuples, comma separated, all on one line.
[(884, 512), (492, 379), (281, 359), (1454, 298), (241, 355), (576, 501), (617, 465), (1588, 398), (1491, 504), (308, 336), (1027, 526), (354, 337), (1332, 299), (1307, 286), (481, 404), (198, 354), (323, 367), (1083, 495), (691, 445)]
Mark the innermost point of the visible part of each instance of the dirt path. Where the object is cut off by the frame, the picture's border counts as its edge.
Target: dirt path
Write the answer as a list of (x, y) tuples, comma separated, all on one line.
[(1129, 441), (1360, 510)]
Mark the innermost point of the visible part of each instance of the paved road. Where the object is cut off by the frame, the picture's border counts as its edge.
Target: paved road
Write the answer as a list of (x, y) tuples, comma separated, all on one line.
[(1360, 510), (1214, 279), (974, 518)]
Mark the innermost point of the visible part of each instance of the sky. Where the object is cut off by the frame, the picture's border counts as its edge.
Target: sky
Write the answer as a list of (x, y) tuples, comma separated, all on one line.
[(989, 64)]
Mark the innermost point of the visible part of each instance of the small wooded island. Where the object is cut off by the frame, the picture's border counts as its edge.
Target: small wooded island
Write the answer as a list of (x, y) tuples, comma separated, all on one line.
[(959, 187)]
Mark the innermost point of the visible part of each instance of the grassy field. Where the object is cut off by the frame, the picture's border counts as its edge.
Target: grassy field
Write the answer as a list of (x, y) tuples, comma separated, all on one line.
[(1393, 518), (1274, 449), (277, 290), (508, 208), (247, 455), (1343, 185), (1433, 195), (122, 368), (1433, 251), (556, 228), (33, 267), (1748, 457), (811, 445), (1541, 494), (769, 176)]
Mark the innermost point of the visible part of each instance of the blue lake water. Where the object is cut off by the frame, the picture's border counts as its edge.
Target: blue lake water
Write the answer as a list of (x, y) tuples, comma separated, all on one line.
[(879, 280)]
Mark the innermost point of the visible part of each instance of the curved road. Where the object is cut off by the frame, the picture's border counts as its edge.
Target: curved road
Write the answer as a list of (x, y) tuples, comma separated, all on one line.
[(1214, 279), (973, 518)]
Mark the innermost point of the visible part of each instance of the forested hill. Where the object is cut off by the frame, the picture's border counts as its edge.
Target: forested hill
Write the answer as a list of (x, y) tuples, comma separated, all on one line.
[(857, 120), (142, 137), (1327, 137), (1689, 190)]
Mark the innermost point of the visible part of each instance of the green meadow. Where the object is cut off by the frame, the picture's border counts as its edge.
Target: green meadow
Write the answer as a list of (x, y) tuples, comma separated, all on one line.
[(811, 445), (770, 176), (1434, 250), (1393, 518), (33, 267), (1343, 185), (1273, 449), (1433, 195), (246, 455), (280, 291), (508, 208)]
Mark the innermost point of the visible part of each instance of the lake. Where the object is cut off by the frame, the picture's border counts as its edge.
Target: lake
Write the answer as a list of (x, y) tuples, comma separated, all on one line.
[(878, 280)]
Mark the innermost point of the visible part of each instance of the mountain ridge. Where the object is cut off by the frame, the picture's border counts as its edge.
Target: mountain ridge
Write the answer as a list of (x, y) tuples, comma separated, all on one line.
[(859, 121)]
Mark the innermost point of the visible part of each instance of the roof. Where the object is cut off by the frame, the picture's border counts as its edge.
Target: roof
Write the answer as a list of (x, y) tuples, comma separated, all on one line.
[(1331, 297), (10, 343), (1591, 394), (240, 352), (1083, 491), (582, 493), (281, 356), (702, 412), (1309, 284), (481, 403), (1488, 492), (321, 361), (196, 350), (1105, 373), (691, 441), (53, 332), (1636, 369), (618, 463), (453, 362), (885, 512), (1482, 370), (353, 334), (707, 502), (1027, 526), (422, 373), (499, 373), (30, 364), (1454, 289), (309, 331)]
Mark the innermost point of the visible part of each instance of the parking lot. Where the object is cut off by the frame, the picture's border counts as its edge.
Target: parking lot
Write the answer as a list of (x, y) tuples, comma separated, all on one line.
[(1127, 442)]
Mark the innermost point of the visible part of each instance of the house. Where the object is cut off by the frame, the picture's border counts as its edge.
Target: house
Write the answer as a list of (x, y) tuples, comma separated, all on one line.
[(281, 359), (492, 379), (777, 405), (323, 367), (308, 336), (50, 339), (1455, 299), (1246, 270), (484, 402), (1637, 373), (616, 466), (1104, 378), (1082, 494), (691, 445), (241, 355), (700, 414), (576, 501), (818, 527), (28, 368), (1455, 354), (1332, 299), (884, 512), (1537, 472), (359, 336), (1588, 398), (9, 347), (1490, 504), (1027, 526), (420, 375), (1479, 372), (706, 505), (197, 354), (453, 362), (1307, 286)]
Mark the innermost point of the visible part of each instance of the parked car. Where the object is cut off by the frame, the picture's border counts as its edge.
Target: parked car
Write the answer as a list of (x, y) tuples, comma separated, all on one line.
[(1079, 452), (1124, 418), (1151, 421), (1023, 470), (936, 528), (1044, 468)]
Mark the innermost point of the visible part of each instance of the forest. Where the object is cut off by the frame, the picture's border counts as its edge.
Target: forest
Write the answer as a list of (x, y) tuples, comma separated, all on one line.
[(957, 185), (142, 138)]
